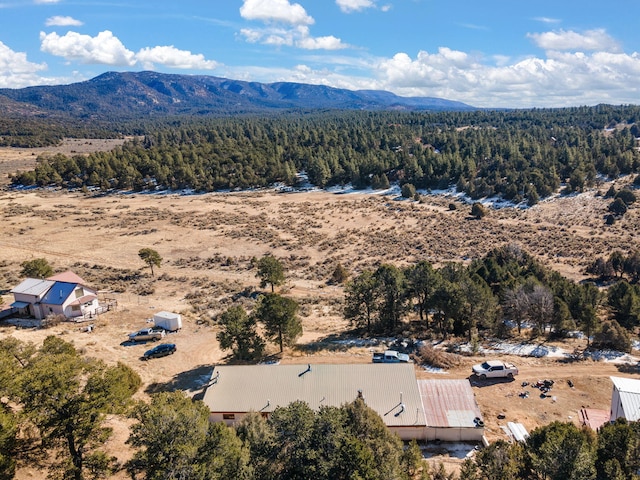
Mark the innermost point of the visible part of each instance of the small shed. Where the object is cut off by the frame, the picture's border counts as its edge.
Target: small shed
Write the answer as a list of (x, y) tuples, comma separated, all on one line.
[(625, 399), (451, 411), (168, 320)]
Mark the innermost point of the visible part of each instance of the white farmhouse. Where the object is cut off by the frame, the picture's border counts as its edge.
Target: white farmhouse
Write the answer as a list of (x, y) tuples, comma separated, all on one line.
[(62, 294)]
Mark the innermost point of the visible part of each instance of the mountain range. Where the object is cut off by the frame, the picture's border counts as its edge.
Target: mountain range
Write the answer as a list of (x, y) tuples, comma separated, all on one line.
[(128, 95)]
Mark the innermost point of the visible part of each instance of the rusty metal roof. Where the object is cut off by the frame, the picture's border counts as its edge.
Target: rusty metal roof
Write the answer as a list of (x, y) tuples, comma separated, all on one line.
[(449, 403), (68, 277), (391, 390)]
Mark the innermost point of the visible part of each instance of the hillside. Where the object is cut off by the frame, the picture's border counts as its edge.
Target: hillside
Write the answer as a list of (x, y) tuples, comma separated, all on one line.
[(135, 94)]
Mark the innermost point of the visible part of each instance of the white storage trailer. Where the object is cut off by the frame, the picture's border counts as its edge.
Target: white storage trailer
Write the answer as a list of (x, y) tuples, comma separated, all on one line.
[(168, 320)]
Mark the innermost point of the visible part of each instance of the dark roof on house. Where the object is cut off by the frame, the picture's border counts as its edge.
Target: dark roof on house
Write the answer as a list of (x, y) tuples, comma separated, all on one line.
[(391, 390), (58, 293)]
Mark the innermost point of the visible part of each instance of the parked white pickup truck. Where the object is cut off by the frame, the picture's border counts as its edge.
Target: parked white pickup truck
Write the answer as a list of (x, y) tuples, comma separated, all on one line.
[(495, 369), (390, 356), (147, 334)]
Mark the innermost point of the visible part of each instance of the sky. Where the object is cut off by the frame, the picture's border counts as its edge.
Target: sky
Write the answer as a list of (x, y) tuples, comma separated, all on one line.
[(486, 53)]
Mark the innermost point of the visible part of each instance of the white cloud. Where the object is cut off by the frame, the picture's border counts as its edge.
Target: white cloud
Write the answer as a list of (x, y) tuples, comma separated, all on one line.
[(306, 41), (591, 40), (547, 20), (349, 6), (104, 48), (321, 43), (561, 79), (299, 37), (275, 11), (16, 71), (171, 57), (107, 49), (59, 21), (47, 1), (269, 36)]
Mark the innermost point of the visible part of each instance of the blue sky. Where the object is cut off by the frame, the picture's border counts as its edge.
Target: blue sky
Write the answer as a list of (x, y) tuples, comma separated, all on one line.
[(490, 53)]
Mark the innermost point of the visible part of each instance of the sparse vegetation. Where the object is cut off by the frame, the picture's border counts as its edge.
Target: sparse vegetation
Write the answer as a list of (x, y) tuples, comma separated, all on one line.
[(36, 268)]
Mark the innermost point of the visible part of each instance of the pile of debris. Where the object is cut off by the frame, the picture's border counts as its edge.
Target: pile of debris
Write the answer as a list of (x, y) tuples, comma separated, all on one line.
[(544, 386)]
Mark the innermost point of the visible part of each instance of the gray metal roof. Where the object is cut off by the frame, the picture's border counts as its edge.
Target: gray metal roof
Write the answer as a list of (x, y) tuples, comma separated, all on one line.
[(629, 391), (391, 390), (33, 286), (449, 403)]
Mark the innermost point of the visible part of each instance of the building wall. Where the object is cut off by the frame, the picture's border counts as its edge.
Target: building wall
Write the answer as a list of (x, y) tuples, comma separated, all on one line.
[(47, 309), (454, 434), (34, 308), (89, 308), (616, 405), (409, 433), (405, 433), (36, 311)]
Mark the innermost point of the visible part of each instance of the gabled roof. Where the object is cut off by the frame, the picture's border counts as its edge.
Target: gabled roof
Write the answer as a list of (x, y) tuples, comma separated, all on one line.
[(58, 293), (449, 403), (84, 299), (33, 286), (67, 277), (629, 385), (389, 389), (629, 392)]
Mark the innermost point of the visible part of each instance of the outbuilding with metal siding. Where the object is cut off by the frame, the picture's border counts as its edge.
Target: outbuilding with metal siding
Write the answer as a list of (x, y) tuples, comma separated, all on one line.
[(625, 399), (451, 411), (391, 390)]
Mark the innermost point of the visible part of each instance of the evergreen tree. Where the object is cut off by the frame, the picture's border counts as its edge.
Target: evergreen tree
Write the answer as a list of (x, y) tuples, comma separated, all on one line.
[(67, 397), (270, 272), (280, 318), (150, 257), (361, 300), (238, 333), (36, 268), (176, 440)]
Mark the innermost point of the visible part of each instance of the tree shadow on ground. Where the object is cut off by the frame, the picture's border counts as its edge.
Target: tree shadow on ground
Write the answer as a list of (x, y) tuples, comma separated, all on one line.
[(344, 341), (633, 368), (192, 382)]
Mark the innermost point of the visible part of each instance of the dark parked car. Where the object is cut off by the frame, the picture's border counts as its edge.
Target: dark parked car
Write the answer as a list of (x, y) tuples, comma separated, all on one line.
[(161, 350)]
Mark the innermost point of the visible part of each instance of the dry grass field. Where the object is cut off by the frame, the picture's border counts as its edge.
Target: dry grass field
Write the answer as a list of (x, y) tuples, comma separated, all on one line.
[(208, 242)]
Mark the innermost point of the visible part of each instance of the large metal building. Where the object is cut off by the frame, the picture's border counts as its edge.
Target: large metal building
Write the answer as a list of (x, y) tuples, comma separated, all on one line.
[(392, 390)]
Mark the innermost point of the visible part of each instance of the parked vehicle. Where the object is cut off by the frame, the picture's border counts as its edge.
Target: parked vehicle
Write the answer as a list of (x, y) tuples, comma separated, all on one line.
[(146, 334), (161, 350), (171, 322), (390, 356), (495, 369)]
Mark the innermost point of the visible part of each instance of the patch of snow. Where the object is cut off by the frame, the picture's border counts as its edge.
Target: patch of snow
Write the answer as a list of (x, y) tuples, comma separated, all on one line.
[(430, 369), (452, 449), (550, 351), (24, 322)]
